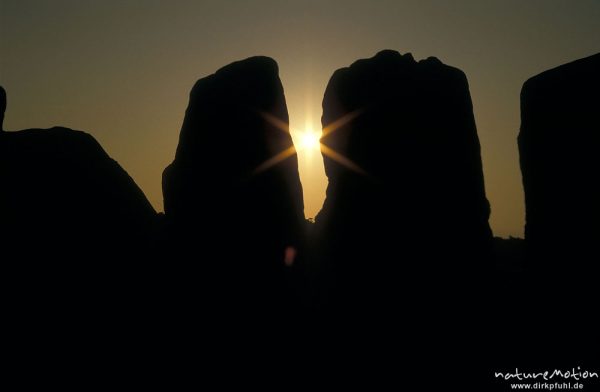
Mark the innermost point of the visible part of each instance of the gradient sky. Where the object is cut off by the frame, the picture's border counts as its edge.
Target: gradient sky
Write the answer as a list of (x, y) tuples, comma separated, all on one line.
[(122, 70)]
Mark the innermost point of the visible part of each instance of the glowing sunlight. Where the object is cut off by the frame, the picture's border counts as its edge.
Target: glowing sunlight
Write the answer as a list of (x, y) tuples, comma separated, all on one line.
[(309, 140)]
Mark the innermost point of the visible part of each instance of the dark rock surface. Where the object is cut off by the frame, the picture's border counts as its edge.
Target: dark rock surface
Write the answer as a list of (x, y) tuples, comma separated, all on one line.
[(75, 231), (403, 241), (63, 193), (559, 144), (232, 207), (411, 204)]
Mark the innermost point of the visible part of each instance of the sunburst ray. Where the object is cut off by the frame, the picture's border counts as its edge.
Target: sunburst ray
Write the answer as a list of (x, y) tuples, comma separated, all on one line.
[(276, 122), (328, 151), (340, 122), (336, 156), (274, 160)]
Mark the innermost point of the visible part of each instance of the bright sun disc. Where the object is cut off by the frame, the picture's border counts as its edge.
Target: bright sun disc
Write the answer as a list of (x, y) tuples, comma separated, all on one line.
[(309, 140)]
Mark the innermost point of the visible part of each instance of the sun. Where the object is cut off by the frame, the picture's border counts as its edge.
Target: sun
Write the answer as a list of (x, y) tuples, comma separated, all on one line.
[(309, 140)]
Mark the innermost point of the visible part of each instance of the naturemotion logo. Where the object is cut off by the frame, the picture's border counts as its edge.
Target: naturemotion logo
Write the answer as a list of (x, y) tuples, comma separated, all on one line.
[(558, 378), (546, 375)]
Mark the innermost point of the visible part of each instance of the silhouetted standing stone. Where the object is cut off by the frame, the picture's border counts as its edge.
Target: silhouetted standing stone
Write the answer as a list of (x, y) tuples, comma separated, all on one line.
[(65, 205), (75, 234), (406, 206), (559, 144), (62, 195), (559, 147), (233, 208)]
